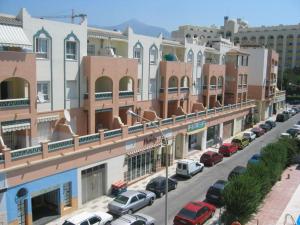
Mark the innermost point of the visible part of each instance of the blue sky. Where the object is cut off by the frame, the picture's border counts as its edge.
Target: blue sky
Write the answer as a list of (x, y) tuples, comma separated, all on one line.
[(164, 13)]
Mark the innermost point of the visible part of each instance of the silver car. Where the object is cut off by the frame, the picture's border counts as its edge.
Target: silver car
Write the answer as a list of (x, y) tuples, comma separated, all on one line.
[(131, 201), (135, 219)]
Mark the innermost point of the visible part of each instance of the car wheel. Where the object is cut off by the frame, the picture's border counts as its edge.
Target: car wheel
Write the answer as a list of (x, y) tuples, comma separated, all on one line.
[(151, 201), (160, 194), (130, 211)]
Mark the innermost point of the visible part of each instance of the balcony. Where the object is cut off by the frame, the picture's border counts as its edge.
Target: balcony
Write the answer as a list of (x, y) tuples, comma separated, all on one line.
[(14, 103), (126, 94), (85, 143)]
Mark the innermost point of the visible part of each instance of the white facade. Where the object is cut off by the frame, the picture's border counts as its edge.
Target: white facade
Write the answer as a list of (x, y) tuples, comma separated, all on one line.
[(257, 66)]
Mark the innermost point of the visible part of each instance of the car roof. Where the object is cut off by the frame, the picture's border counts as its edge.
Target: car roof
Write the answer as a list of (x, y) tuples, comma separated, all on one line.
[(159, 178), (227, 144), (78, 218), (129, 193), (127, 218), (209, 152), (185, 161), (220, 184), (194, 206), (239, 169)]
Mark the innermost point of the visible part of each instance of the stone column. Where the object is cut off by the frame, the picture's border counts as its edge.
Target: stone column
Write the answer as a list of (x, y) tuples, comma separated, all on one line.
[(204, 137)]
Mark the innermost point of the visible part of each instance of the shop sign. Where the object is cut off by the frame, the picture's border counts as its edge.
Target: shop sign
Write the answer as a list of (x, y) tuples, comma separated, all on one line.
[(196, 126), (130, 144)]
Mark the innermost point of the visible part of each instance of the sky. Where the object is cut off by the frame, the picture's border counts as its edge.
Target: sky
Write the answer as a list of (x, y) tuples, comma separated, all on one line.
[(168, 14)]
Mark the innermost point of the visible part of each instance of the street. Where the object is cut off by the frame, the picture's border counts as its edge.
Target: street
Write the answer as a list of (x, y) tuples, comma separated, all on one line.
[(196, 187)]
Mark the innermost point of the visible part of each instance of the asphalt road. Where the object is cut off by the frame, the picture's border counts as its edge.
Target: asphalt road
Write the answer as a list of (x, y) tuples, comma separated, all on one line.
[(196, 187)]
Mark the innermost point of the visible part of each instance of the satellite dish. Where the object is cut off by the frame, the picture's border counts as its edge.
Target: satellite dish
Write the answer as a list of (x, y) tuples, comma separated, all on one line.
[(67, 115), (40, 97)]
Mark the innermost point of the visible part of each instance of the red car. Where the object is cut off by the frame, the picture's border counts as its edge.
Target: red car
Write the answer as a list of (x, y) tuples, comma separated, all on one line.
[(211, 158), (194, 213), (227, 149)]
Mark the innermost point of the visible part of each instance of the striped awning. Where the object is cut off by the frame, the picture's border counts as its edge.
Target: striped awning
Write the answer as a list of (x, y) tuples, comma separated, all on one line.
[(47, 118), (15, 127), (146, 148), (13, 36)]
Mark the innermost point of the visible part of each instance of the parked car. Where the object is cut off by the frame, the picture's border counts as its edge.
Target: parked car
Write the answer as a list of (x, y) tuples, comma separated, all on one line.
[(292, 112), (287, 113), (258, 131), (130, 201), (296, 108), (240, 142), (134, 219), (265, 126), (238, 170), (158, 185), (282, 117), (211, 158), (294, 132), (254, 159), (188, 167), (298, 123), (249, 135), (296, 126), (95, 218), (285, 135), (227, 149), (271, 123), (194, 213), (215, 192)]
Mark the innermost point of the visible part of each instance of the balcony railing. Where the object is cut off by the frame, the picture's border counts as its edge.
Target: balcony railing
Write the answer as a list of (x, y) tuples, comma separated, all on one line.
[(220, 86), (172, 89), (213, 87), (11, 103), (66, 144), (126, 94), (184, 89)]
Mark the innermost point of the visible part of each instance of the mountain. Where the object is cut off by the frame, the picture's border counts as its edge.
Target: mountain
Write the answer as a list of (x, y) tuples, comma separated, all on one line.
[(140, 28)]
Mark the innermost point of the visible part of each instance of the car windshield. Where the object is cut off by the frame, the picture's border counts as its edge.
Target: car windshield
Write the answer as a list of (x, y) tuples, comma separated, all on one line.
[(187, 213), (256, 157), (224, 147), (246, 134), (205, 156), (236, 141), (154, 183), (121, 199), (214, 191), (68, 223)]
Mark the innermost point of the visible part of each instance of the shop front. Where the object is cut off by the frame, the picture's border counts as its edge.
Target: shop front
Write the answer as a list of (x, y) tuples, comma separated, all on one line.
[(213, 134), (43, 200), (195, 135)]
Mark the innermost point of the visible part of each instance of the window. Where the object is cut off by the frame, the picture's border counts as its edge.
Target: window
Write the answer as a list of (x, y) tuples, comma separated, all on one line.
[(245, 79), (94, 220), (190, 57), (84, 223), (134, 199), (139, 222), (153, 55), (139, 87), (91, 50), (67, 194), (71, 50), (138, 52), (199, 59), (152, 87), (43, 91), (141, 196), (71, 89), (41, 48)]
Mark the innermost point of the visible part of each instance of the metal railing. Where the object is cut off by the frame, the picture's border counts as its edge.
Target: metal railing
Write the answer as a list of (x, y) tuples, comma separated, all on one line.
[(112, 133), (135, 128), (89, 138), (184, 89), (9, 103), (126, 94), (53, 146), (1, 158), (25, 152), (172, 89), (166, 121), (213, 87)]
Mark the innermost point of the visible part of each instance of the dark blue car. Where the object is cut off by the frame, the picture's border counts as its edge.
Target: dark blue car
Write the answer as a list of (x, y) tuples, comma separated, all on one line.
[(254, 159)]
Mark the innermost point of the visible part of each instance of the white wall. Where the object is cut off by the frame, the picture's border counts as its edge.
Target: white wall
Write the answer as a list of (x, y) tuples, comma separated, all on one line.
[(58, 31), (257, 65), (146, 72)]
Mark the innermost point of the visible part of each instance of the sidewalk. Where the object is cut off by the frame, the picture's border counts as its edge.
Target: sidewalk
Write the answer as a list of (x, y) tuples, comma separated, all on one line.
[(283, 199)]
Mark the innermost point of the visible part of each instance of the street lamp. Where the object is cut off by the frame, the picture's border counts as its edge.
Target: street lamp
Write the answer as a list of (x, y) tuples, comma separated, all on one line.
[(163, 144)]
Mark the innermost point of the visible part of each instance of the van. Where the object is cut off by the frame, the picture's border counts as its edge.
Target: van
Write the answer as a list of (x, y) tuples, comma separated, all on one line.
[(240, 141), (188, 168)]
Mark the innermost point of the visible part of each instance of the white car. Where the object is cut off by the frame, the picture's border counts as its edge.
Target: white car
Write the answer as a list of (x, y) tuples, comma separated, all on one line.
[(296, 126), (285, 135), (188, 167), (249, 135), (292, 112), (88, 218)]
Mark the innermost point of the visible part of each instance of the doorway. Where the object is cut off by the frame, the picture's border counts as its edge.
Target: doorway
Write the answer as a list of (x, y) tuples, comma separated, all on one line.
[(92, 183), (45, 207)]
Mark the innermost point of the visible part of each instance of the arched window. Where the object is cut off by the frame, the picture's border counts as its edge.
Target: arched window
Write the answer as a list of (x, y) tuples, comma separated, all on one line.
[(190, 56), (199, 58), (236, 40), (223, 59), (71, 47), (42, 43), (153, 54), (138, 52), (253, 39), (188, 36)]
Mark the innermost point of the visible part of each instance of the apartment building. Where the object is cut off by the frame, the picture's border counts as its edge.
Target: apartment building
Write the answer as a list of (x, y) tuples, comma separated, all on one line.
[(66, 89), (262, 82), (284, 39)]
